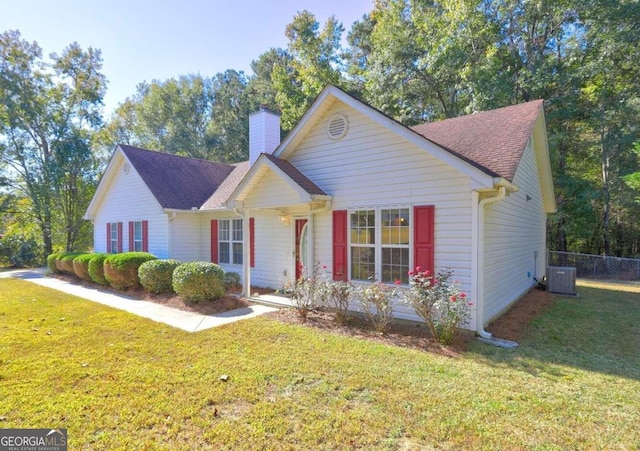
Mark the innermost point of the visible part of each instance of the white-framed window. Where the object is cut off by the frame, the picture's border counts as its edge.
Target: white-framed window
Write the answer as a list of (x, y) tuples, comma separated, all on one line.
[(230, 241), (137, 236), (379, 244), (114, 239)]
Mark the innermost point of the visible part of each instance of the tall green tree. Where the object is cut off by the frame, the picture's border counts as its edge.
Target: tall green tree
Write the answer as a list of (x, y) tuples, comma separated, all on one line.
[(260, 85), (414, 58), (190, 115), (611, 93), (47, 108), (421, 60), (316, 61), (172, 116), (231, 109)]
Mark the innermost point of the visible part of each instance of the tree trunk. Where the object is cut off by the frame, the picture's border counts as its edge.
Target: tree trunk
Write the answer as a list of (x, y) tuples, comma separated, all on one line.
[(606, 195), (46, 234)]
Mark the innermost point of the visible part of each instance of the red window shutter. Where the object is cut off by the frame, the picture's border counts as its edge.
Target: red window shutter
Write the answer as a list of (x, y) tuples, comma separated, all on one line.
[(145, 236), (131, 243), (119, 237), (340, 245), (252, 239), (423, 237), (108, 237), (214, 241)]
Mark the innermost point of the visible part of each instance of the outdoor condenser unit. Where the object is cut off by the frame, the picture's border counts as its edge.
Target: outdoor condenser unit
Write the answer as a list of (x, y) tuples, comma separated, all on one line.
[(561, 280)]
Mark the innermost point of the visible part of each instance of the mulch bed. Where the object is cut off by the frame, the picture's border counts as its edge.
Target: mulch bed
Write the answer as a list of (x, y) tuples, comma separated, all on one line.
[(404, 334), (230, 301), (513, 325)]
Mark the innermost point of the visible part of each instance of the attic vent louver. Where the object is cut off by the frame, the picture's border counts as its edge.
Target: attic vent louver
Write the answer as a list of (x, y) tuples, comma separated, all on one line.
[(337, 126)]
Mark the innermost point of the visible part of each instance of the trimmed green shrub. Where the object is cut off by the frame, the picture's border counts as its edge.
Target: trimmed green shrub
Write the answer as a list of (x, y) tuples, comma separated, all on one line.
[(64, 262), (96, 268), (199, 281), (52, 260), (231, 280), (156, 276), (121, 270), (81, 266)]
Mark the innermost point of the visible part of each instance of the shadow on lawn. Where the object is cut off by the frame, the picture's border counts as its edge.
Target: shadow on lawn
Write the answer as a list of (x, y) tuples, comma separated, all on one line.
[(596, 331)]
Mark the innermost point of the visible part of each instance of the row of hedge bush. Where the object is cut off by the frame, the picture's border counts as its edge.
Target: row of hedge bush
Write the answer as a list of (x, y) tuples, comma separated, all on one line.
[(194, 282)]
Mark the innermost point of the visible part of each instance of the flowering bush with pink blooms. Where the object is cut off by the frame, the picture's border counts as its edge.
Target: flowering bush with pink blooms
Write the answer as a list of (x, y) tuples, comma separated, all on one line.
[(439, 301)]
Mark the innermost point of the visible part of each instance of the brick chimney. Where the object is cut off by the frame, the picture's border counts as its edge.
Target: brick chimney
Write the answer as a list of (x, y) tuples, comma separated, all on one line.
[(264, 132)]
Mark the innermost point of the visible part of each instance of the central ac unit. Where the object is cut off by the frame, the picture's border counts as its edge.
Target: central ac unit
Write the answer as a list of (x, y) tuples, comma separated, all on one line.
[(561, 280)]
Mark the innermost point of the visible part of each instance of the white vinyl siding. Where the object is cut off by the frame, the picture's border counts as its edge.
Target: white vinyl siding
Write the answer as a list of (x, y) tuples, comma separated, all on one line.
[(372, 167), (272, 192), (514, 240), (274, 258), (184, 242), (128, 199)]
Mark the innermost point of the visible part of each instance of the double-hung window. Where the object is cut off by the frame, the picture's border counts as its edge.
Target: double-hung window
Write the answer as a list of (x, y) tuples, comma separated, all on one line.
[(114, 238), (137, 236), (379, 244), (230, 241)]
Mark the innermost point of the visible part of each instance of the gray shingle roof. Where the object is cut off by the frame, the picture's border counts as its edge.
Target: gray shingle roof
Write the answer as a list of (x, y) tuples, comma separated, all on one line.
[(221, 195), (177, 182), (491, 140), (294, 173)]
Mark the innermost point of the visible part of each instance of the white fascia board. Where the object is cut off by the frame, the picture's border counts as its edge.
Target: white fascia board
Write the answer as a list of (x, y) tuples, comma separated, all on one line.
[(264, 162), (541, 148), (245, 181), (304, 195), (304, 120)]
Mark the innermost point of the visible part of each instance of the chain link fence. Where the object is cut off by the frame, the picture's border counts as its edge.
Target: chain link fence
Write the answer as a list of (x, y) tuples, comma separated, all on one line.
[(597, 266)]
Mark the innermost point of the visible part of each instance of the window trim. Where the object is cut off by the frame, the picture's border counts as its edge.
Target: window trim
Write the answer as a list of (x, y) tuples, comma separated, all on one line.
[(135, 238), (231, 230), (114, 243), (378, 245)]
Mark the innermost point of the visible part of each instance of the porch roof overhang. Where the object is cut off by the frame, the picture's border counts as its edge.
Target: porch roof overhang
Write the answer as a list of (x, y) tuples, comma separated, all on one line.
[(307, 192)]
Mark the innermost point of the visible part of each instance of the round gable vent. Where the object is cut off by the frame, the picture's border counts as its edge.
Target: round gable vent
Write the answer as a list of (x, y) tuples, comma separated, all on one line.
[(126, 168), (337, 126)]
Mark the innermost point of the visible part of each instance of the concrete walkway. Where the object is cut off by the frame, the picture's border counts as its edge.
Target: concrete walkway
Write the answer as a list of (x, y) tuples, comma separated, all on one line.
[(188, 321)]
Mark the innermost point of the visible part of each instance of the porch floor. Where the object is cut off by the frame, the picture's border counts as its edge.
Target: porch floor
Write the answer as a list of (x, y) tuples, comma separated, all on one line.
[(272, 300)]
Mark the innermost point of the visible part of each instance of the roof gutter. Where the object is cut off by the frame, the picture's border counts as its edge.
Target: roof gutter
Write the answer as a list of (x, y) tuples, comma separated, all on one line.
[(177, 210), (502, 182), (483, 335)]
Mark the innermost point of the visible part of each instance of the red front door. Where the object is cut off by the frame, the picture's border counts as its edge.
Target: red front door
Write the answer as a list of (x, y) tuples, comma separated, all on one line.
[(299, 252)]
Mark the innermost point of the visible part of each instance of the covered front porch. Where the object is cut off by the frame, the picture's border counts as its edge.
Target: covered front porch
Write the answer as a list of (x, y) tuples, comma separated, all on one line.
[(279, 206)]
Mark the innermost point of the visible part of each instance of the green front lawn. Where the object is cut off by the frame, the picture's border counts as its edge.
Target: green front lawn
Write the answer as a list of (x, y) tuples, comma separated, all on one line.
[(118, 381)]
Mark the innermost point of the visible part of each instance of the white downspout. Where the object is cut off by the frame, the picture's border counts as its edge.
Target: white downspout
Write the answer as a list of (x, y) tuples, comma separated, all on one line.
[(479, 252)]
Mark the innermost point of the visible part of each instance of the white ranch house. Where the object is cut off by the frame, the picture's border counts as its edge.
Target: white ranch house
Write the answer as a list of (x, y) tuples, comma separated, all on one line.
[(352, 189)]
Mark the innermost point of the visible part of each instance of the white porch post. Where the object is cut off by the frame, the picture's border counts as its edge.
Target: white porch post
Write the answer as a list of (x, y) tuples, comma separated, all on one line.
[(246, 254), (310, 246)]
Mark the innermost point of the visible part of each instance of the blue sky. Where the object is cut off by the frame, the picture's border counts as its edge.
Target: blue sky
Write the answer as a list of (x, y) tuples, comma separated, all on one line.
[(146, 40)]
